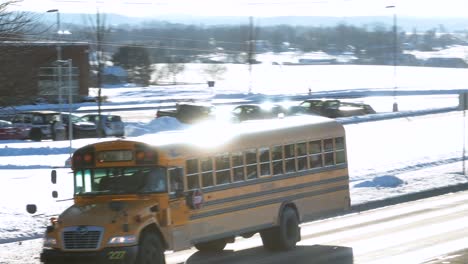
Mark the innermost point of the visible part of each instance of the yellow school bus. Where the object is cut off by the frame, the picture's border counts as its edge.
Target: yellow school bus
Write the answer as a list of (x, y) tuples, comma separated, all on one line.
[(201, 187)]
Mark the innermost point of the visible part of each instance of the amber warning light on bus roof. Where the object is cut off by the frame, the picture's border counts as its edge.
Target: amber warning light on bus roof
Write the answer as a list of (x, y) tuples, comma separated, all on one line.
[(145, 157), (83, 158)]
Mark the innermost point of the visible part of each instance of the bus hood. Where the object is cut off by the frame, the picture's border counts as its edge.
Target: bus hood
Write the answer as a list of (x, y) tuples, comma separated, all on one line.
[(103, 213)]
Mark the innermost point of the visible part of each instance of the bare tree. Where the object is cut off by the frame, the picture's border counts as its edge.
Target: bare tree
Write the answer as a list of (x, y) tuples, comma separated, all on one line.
[(174, 69), (136, 60), (159, 73), (15, 25), (214, 71)]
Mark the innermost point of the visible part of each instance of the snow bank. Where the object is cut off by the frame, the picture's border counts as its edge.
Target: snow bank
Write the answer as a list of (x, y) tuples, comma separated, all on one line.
[(386, 181), (164, 123)]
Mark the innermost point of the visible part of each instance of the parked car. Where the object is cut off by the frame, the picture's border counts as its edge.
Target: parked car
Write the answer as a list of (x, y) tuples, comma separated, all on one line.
[(9, 131), (189, 112), (254, 111), (111, 125), (80, 127), (336, 108), (39, 125)]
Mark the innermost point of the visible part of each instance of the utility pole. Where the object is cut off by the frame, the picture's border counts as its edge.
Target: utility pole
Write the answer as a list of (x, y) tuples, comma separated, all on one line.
[(395, 57), (99, 57), (250, 56)]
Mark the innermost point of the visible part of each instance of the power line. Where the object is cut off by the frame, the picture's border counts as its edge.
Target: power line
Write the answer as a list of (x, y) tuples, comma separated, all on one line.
[(110, 44)]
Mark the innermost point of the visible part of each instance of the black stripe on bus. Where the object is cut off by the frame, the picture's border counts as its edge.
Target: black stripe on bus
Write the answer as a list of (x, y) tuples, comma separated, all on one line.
[(276, 190), (268, 202), (269, 178)]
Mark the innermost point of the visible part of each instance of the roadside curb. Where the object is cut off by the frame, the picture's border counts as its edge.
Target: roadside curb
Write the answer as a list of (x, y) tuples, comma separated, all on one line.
[(393, 115), (408, 197)]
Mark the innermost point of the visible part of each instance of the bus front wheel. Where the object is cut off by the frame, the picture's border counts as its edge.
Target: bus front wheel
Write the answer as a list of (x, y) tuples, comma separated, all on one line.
[(216, 245), (286, 235), (151, 250)]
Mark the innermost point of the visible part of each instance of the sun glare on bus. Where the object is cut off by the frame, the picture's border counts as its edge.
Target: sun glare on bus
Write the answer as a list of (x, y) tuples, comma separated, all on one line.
[(210, 134)]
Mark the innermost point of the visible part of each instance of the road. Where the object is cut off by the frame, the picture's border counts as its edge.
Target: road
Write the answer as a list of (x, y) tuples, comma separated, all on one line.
[(412, 232), (431, 231)]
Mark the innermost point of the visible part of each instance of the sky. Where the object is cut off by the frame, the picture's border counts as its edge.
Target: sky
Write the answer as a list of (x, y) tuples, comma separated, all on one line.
[(339, 8)]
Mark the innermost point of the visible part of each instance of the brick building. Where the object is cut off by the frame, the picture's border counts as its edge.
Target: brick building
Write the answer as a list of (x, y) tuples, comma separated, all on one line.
[(29, 70)]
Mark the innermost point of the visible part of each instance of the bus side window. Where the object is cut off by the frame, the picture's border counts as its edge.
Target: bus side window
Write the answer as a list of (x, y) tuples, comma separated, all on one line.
[(315, 154), (340, 150), (193, 177), (176, 183), (328, 152), (264, 154), (277, 157), (289, 158), (301, 153), (223, 169), (237, 160), (251, 161), (207, 171)]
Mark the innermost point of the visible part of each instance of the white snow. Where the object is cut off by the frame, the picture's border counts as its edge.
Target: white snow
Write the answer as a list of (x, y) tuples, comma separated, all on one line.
[(386, 158)]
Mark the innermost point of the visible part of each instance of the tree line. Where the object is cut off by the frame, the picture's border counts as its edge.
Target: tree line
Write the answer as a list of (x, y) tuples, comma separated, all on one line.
[(168, 42), (176, 43)]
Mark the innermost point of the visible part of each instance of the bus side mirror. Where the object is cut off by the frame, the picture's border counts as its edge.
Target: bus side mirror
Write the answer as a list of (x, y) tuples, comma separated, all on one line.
[(31, 208), (53, 176)]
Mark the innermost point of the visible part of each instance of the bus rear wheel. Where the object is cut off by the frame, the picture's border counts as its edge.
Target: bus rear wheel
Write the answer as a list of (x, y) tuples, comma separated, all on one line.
[(151, 250), (215, 245), (286, 235)]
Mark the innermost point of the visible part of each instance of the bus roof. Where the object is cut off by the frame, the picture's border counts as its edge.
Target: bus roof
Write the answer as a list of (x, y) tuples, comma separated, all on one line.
[(213, 137)]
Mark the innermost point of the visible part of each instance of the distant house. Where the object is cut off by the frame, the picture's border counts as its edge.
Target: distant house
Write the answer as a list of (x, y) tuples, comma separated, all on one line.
[(313, 58), (29, 71), (114, 75), (446, 62), (314, 61)]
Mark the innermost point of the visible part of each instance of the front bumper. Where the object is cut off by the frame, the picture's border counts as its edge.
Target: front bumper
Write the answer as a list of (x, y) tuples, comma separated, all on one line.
[(116, 255)]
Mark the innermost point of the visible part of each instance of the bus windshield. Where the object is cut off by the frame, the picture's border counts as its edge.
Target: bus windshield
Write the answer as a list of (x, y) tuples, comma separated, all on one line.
[(120, 180)]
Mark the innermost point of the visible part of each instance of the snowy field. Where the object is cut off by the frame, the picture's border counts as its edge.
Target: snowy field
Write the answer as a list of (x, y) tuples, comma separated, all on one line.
[(386, 158)]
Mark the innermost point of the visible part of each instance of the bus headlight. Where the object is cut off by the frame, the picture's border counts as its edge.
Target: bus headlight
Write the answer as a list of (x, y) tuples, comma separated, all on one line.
[(130, 239), (50, 242)]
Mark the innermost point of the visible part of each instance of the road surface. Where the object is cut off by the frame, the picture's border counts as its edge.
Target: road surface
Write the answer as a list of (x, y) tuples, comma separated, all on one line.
[(430, 231)]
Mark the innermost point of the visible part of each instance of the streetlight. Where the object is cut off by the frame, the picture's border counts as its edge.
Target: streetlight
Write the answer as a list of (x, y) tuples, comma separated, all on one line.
[(69, 63), (70, 127), (59, 57), (395, 56)]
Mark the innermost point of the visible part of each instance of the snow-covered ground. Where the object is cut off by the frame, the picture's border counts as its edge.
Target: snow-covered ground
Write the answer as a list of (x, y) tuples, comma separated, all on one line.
[(386, 158)]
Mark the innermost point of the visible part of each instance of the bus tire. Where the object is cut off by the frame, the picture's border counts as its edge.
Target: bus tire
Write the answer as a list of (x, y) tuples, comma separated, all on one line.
[(213, 246), (151, 250), (286, 235), (268, 238), (35, 134)]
